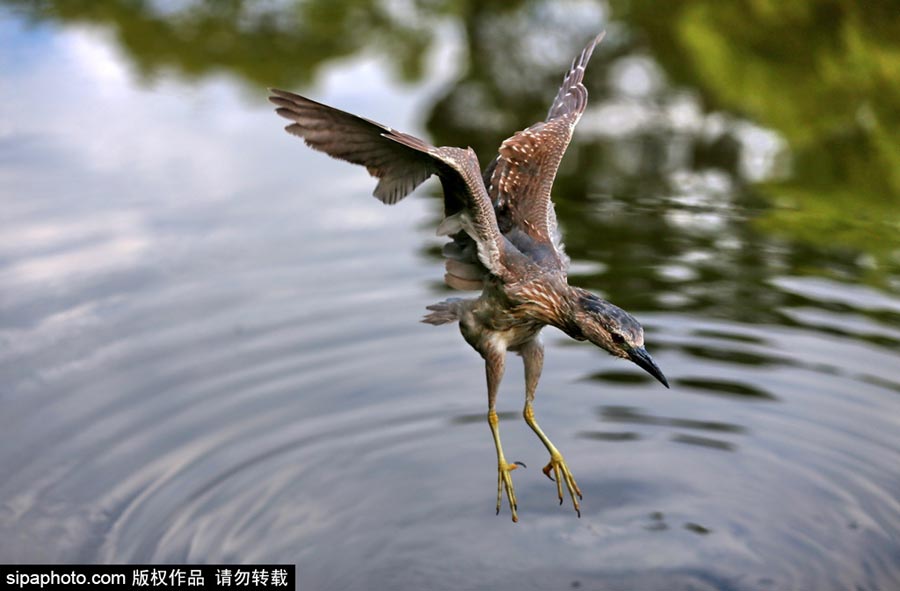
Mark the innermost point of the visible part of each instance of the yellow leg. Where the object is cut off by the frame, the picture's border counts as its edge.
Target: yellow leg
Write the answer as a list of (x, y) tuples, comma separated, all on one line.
[(504, 480), (557, 462), (532, 354), (493, 363)]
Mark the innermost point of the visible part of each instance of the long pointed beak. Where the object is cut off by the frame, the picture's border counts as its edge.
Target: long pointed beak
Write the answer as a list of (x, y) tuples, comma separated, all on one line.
[(640, 356)]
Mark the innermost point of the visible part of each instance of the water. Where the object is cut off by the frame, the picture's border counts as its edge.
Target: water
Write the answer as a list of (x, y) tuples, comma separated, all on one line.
[(209, 345)]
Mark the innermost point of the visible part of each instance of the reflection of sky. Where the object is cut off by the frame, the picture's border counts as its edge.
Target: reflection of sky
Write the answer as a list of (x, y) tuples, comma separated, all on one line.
[(96, 166), (23, 46), (642, 104), (111, 188)]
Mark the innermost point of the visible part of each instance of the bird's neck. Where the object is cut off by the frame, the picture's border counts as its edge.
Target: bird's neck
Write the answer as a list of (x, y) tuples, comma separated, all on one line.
[(567, 320), (553, 303)]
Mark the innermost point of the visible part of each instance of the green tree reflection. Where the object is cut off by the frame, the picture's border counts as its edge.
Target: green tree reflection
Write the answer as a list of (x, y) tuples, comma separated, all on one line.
[(261, 43), (826, 75)]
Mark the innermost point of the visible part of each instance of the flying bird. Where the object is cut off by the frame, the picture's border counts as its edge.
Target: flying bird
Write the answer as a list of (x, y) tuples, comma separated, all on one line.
[(503, 240)]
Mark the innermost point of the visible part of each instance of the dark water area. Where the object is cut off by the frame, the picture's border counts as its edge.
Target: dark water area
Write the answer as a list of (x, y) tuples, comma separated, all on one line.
[(209, 340)]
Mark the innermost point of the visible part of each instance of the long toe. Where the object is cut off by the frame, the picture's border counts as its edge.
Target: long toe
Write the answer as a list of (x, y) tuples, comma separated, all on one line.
[(504, 482), (562, 473)]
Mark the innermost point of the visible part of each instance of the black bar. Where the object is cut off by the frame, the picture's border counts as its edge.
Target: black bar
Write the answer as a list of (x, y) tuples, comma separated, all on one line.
[(148, 577)]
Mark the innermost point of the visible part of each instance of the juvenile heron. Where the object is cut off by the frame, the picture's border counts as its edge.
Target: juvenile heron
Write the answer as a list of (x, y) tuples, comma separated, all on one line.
[(504, 242)]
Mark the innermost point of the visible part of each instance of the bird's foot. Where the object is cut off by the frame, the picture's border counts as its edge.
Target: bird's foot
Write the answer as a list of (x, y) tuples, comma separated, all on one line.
[(561, 470), (504, 481)]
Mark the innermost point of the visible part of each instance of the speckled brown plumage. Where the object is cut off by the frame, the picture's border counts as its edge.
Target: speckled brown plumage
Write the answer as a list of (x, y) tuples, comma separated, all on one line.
[(504, 242)]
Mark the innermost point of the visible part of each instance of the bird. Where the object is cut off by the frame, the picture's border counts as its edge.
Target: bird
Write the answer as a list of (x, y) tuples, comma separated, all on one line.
[(504, 240)]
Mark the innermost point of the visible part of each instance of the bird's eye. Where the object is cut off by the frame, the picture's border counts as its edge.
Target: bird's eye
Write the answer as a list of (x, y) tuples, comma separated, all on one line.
[(617, 338)]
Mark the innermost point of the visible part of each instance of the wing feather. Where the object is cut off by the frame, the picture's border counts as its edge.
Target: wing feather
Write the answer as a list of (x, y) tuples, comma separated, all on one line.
[(402, 162), (526, 167), (477, 218), (399, 168)]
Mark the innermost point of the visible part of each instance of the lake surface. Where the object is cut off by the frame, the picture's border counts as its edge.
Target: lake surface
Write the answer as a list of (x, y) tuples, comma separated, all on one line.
[(209, 340)]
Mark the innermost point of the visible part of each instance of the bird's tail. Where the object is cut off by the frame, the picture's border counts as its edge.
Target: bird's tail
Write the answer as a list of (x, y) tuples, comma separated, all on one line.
[(445, 312)]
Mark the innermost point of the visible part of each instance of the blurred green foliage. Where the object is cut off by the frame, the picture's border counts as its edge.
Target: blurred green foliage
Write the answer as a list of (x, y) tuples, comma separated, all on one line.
[(264, 44), (826, 75)]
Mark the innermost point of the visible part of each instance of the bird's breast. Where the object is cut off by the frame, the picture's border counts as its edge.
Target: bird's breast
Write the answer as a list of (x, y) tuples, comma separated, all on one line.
[(511, 339)]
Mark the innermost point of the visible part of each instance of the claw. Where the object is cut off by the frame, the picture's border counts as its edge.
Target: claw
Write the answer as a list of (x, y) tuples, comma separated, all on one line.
[(562, 473), (546, 471), (519, 464), (557, 464), (504, 482)]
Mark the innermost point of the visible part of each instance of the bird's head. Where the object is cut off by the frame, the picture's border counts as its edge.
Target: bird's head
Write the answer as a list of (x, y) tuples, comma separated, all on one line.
[(611, 328)]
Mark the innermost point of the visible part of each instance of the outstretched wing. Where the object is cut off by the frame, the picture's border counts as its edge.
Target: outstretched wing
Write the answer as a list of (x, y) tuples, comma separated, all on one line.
[(357, 140), (524, 171), (401, 162)]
